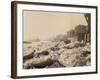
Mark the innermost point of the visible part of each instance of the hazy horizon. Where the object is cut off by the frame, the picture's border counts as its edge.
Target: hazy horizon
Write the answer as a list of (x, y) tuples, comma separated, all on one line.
[(45, 25)]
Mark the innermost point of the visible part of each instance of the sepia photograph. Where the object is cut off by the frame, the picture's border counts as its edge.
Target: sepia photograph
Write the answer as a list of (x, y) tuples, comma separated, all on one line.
[(50, 39), (56, 39)]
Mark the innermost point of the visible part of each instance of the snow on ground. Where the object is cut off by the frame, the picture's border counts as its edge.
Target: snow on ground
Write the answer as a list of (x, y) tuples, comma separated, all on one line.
[(46, 54)]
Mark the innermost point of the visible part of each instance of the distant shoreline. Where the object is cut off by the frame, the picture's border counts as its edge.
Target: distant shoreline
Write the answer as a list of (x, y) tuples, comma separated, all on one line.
[(27, 42)]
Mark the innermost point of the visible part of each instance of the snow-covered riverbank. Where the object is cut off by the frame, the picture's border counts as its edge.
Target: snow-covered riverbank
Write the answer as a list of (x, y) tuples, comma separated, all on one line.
[(47, 54)]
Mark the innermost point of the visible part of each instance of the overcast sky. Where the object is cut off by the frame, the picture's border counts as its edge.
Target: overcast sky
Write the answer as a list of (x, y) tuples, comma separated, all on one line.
[(44, 25)]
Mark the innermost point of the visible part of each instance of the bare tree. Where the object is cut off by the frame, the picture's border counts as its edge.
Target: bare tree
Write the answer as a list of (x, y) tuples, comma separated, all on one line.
[(88, 18)]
